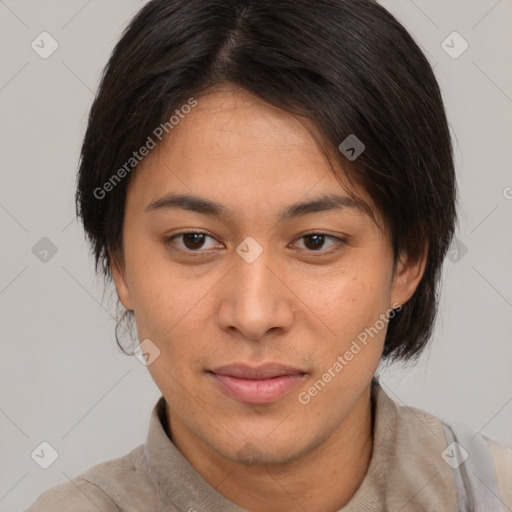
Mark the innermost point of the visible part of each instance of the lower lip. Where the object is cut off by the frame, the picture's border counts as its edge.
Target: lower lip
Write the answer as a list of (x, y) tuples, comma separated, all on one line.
[(257, 391)]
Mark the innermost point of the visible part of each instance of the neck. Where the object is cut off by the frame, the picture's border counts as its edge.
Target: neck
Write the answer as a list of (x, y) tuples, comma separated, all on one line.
[(305, 483)]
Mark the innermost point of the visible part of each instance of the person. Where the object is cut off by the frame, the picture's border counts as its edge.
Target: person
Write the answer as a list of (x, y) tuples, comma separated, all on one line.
[(270, 186)]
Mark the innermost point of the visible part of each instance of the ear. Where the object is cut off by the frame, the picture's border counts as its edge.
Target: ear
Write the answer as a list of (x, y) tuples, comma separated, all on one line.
[(408, 274), (118, 274)]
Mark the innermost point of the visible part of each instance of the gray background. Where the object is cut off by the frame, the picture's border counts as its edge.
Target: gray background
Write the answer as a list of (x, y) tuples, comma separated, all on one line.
[(63, 379)]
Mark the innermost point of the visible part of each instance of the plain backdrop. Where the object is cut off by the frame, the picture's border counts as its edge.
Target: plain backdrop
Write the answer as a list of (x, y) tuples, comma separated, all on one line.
[(63, 379)]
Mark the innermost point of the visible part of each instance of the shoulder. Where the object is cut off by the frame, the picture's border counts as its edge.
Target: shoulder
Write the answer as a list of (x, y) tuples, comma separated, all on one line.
[(482, 468), (107, 486), (501, 457), (78, 495), (476, 470)]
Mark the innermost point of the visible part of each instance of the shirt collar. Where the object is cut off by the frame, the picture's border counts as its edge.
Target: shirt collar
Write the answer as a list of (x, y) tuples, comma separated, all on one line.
[(175, 476)]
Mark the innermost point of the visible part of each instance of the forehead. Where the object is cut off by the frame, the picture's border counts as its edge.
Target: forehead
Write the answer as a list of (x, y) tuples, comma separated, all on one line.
[(238, 134), (236, 149)]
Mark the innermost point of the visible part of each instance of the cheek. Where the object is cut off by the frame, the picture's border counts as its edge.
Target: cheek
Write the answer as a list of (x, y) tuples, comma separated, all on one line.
[(161, 296), (364, 294), (355, 302), (165, 305)]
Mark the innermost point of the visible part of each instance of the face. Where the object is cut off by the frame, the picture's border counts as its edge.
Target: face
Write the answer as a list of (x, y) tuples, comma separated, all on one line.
[(258, 306)]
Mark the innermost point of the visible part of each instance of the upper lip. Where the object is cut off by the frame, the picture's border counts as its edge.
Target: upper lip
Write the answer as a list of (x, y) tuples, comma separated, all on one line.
[(264, 371)]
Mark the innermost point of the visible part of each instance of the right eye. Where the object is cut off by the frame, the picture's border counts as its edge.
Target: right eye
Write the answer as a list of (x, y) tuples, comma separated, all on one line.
[(190, 241)]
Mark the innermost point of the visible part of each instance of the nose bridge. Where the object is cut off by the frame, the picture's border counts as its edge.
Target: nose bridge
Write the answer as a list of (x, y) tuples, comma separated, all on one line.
[(255, 277), (256, 301)]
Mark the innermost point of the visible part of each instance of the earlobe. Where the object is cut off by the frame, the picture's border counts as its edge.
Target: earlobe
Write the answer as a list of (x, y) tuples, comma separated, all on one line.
[(123, 292), (407, 277)]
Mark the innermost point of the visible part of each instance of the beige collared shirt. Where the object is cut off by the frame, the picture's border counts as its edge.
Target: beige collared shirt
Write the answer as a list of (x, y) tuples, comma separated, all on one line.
[(407, 472)]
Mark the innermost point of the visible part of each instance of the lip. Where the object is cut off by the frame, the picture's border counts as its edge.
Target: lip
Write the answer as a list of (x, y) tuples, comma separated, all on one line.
[(262, 384)]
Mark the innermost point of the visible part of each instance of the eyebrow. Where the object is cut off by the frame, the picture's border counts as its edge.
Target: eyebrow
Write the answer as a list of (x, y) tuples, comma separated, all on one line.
[(205, 206)]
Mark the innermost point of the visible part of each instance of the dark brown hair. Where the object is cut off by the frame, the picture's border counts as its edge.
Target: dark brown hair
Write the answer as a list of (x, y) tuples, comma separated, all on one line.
[(346, 65)]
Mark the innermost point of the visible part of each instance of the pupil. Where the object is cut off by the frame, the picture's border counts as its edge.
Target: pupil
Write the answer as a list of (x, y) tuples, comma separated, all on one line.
[(194, 240), (318, 241)]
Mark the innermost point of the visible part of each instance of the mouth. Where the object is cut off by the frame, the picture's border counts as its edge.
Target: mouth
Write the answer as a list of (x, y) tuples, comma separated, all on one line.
[(262, 384)]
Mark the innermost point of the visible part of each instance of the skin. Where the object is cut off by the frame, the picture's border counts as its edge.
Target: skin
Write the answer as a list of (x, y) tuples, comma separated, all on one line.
[(300, 303)]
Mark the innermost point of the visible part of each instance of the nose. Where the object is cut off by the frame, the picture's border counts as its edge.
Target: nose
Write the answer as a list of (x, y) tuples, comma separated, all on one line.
[(255, 298)]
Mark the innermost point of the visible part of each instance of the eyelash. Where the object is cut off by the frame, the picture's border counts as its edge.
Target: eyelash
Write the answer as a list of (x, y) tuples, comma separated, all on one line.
[(169, 240)]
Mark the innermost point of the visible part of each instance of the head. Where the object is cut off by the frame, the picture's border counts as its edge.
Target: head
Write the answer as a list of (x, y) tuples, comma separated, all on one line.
[(220, 193)]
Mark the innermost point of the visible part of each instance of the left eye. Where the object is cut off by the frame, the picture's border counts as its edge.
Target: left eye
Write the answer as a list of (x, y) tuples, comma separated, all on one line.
[(314, 242)]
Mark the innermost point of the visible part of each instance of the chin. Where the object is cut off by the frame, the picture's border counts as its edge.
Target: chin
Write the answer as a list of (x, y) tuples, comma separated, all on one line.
[(251, 455), (254, 450)]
